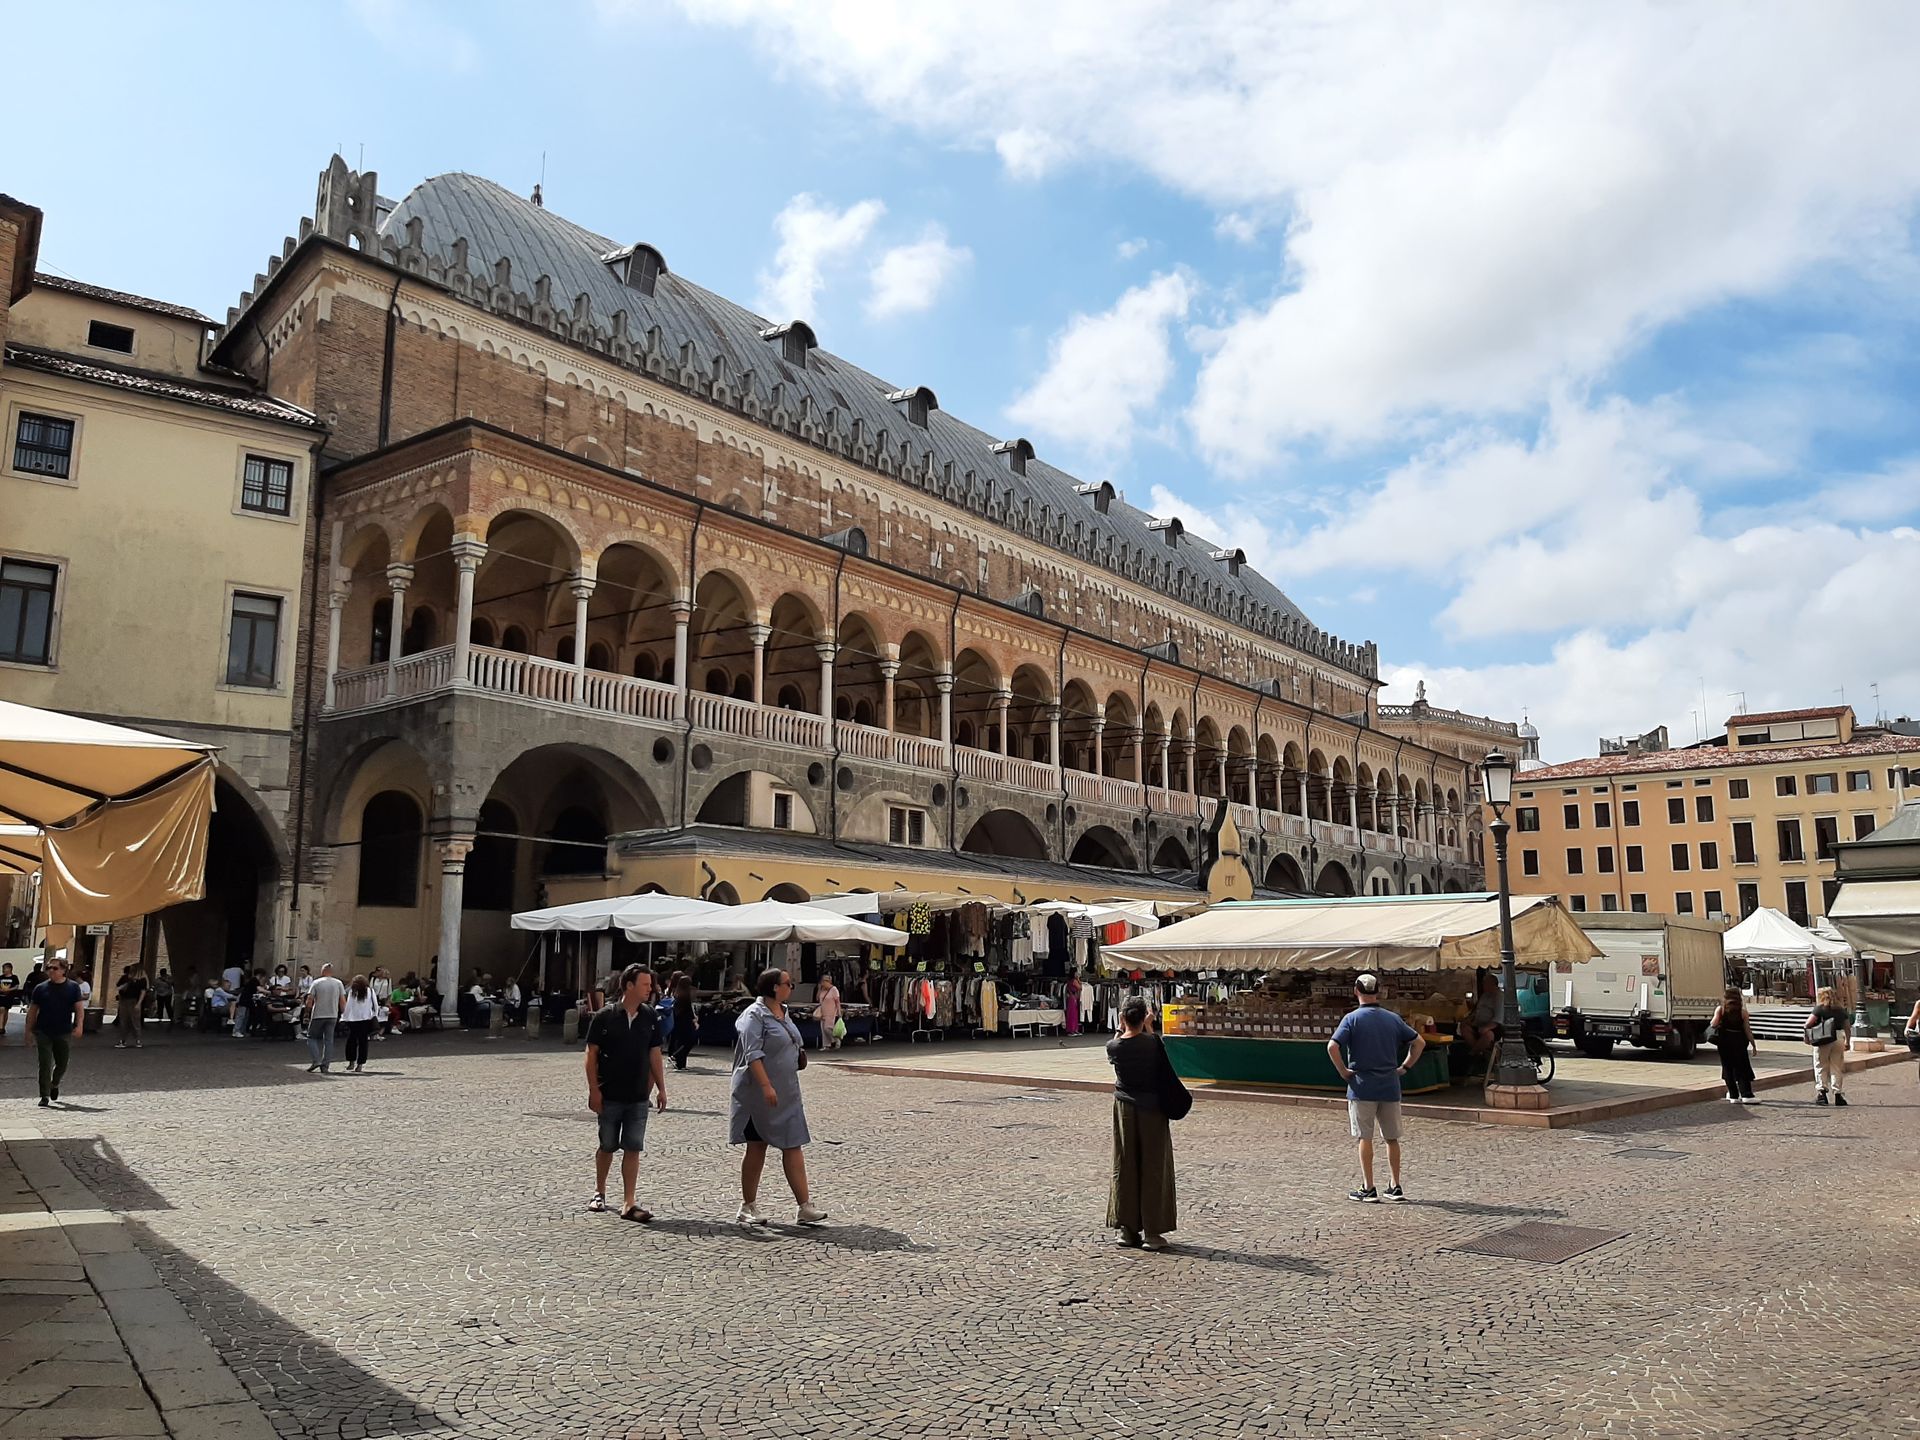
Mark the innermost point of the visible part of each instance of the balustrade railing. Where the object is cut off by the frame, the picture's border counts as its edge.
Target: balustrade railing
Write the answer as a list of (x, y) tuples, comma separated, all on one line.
[(1174, 802), (1005, 769), (868, 742), (1102, 789), (727, 716)]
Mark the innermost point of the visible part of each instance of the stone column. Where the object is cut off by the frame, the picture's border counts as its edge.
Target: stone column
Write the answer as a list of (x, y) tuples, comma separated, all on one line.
[(1189, 752), (889, 672), (1003, 702), (582, 588), (757, 636), (1353, 809), (1140, 758), (1099, 739), (453, 873), (1305, 816), (1053, 736), (826, 654), (1166, 762), (336, 603), (467, 555), (682, 618), (943, 682), (1225, 793), (399, 577)]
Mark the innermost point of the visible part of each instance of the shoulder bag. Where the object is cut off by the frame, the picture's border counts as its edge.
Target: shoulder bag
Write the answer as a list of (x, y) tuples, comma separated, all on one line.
[(1176, 1101)]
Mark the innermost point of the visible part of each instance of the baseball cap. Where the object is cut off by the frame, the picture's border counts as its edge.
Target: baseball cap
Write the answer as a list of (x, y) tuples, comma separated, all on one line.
[(1367, 984)]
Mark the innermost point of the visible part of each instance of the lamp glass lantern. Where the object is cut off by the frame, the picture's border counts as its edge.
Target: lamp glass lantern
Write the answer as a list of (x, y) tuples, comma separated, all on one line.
[(1496, 773)]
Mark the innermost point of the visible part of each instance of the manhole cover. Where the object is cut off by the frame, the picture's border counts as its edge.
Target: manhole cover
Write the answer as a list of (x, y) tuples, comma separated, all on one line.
[(1642, 1152), (1536, 1240)]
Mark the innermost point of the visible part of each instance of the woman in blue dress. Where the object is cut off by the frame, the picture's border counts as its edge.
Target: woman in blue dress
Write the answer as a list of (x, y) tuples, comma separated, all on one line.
[(765, 1108)]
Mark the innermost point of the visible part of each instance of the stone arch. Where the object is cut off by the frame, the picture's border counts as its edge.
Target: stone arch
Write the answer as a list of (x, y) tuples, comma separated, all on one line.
[(1285, 875), (522, 581), (247, 862), (426, 533), (859, 689), (1078, 710), (366, 622), (743, 796), (789, 892), (793, 649), (722, 612), (1172, 855), (1210, 748), (1319, 785), (976, 680), (1104, 846), (1268, 773), (631, 608), (1005, 833), (1123, 719), (1029, 730), (542, 780), (1334, 879), (916, 699)]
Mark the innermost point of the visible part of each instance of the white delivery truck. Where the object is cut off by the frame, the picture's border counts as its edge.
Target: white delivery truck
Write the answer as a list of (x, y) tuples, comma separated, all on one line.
[(1655, 984)]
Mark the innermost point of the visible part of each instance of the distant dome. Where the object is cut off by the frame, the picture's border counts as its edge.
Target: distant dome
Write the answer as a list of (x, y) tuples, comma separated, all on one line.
[(1527, 732)]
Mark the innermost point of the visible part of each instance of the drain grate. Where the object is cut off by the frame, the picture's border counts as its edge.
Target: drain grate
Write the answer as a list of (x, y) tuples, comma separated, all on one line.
[(1541, 1242), (1642, 1152)]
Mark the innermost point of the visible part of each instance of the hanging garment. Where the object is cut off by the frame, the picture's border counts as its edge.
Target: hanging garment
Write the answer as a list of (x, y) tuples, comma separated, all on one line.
[(1072, 1007)]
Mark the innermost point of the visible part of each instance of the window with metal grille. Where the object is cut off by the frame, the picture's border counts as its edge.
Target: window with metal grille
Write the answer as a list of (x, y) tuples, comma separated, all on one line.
[(43, 445), (253, 640), (267, 486), (26, 611)]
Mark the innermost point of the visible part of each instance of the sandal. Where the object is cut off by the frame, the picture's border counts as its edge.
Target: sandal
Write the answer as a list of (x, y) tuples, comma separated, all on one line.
[(598, 1204), (636, 1214)]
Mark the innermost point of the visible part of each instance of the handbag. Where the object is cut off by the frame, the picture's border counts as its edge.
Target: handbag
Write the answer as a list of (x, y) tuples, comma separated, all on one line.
[(1823, 1031), (1712, 1035), (1176, 1101)]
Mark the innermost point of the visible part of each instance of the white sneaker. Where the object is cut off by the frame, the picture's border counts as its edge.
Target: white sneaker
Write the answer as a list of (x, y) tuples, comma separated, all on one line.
[(747, 1215), (811, 1214)]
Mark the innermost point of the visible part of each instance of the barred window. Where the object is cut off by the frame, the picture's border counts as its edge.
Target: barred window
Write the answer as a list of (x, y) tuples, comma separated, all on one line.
[(43, 445), (267, 486)]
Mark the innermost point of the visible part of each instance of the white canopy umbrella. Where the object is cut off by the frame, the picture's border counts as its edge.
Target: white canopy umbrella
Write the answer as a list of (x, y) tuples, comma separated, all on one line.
[(615, 912), (766, 920), (1769, 935), (1879, 914)]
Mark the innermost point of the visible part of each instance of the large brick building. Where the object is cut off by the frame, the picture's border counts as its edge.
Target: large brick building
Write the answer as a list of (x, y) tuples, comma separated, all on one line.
[(600, 554)]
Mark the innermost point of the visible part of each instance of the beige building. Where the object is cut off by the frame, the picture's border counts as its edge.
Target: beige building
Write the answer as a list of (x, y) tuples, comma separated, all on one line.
[(155, 515), (1717, 829)]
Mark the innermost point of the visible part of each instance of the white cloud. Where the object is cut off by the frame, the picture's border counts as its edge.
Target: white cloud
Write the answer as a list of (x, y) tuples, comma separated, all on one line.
[(1130, 249), (1241, 229), (1224, 523), (1105, 371), (1483, 200), (813, 238), (910, 278)]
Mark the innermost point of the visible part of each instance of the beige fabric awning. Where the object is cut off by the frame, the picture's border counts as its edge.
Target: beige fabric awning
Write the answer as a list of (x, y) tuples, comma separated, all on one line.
[(1879, 915), (120, 815), (1411, 932)]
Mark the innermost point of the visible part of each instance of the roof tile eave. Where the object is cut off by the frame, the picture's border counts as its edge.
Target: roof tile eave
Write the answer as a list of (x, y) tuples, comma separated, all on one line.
[(1717, 758), (121, 297), (162, 387)]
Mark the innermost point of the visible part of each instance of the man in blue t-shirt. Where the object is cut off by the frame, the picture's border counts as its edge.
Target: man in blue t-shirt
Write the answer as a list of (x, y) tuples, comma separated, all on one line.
[(1366, 1050), (55, 1011)]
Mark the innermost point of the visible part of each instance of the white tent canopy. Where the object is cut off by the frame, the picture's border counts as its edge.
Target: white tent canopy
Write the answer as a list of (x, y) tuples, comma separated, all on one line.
[(1879, 914), (1137, 916), (1400, 932), (1769, 935), (615, 912), (765, 921), (122, 815)]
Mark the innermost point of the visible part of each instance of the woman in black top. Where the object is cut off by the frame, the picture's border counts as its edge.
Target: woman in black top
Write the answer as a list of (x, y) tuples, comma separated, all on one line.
[(10, 996), (1140, 1205), (1733, 1038)]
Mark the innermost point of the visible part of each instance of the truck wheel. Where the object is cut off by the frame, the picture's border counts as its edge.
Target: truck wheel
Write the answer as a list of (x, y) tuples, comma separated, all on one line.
[(1689, 1043), (1596, 1049)]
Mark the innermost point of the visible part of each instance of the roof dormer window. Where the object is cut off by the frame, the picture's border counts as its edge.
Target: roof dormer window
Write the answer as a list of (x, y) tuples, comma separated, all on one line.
[(918, 403), (1170, 529), (1234, 559), (1017, 453), (1101, 494), (638, 267), (796, 339)]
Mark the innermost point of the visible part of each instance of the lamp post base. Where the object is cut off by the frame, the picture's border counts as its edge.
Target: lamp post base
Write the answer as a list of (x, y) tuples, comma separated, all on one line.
[(1517, 1097)]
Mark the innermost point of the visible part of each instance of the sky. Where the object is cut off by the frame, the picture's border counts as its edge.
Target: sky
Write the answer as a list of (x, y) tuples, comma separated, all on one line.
[(1569, 352)]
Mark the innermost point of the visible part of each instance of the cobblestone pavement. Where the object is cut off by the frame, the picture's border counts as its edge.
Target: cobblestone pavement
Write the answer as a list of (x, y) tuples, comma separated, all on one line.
[(406, 1253)]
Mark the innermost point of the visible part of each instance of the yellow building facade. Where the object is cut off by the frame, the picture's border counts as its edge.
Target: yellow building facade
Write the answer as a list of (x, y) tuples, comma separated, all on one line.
[(1717, 829), (153, 519)]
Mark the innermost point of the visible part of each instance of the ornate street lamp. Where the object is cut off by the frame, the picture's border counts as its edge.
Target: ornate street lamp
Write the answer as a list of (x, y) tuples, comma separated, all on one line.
[(1513, 1067)]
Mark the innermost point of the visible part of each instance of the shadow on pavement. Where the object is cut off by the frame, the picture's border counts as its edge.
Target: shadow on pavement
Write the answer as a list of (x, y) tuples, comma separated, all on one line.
[(1213, 1255), (869, 1239), (98, 1166), (290, 1373), (1476, 1207)]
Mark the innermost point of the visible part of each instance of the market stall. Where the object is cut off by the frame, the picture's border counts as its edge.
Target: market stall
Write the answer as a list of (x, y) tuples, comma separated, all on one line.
[(1785, 963), (1300, 958)]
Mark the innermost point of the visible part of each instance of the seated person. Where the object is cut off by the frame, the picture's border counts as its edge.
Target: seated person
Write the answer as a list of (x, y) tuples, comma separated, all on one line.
[(218, 1009), (282, 983), (1480, 1026), (475, 1007), (516, 1006)]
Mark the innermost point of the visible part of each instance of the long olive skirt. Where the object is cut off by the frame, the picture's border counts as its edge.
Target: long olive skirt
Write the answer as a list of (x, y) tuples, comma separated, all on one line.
[(1142, 1193)]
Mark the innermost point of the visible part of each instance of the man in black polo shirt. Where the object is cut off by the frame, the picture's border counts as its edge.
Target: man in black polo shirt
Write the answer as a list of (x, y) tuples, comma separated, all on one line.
[(623, 1062), (55, 1012)]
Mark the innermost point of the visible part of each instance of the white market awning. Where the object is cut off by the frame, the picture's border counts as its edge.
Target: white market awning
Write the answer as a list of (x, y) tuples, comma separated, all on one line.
[(767, 920), (1769, 935), (615, 912), (1400, 932), (1879, 915)]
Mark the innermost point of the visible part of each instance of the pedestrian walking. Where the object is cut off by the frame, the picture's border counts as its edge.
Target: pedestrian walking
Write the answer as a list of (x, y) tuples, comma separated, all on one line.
[(359, 1017), (765, 1106), (1140, 1202), (130, 1003), (56, 1011), (1366, 1049), (624, 1064), (827, 1011), (686, 1028), (1828, 1034), (11, 994), (163, 995), (243, 1003), (324, 1003), (1732, 1031)]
